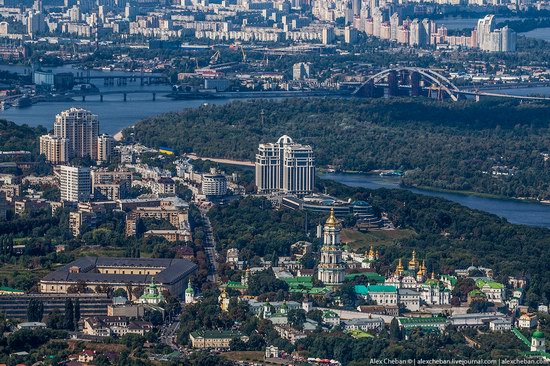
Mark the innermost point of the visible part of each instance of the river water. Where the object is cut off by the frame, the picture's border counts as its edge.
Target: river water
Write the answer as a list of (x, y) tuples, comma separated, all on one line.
[(115, 115), (515, 211)]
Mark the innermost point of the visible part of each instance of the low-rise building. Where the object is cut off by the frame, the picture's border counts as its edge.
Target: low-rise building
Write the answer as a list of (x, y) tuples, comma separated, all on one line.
[(379, 294), (500, 325), (370, 324), (108, 326), (214, 338), (527, 321)]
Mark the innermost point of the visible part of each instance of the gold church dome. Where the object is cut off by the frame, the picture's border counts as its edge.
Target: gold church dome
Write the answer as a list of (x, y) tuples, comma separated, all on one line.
[(331, 221)]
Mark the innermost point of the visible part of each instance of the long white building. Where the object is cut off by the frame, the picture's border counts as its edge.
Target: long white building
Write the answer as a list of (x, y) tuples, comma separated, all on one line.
[(285, 167)]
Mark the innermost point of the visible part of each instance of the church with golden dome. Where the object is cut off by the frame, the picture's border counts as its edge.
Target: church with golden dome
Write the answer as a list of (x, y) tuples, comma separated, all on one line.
[(415, 277), (331, 268)]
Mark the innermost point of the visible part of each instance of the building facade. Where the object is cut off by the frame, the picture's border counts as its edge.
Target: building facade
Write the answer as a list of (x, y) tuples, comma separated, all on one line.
[(285, 167), (55, 148), (75, 183), (81, 128), (104, 148)]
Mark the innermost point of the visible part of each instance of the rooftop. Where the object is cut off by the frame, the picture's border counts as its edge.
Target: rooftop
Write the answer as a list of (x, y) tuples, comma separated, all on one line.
[(172, 270), (212, 334)]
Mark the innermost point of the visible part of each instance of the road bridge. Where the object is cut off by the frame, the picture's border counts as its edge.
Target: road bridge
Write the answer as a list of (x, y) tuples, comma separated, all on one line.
[(416, 81)]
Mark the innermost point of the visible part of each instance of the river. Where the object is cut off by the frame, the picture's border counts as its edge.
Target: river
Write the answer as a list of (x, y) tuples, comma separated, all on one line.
[(115, 115), (515, 211)]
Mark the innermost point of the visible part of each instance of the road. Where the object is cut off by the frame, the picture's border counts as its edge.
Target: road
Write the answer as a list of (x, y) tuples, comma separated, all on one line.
[(210, 246), (223, 161), (169, 333)]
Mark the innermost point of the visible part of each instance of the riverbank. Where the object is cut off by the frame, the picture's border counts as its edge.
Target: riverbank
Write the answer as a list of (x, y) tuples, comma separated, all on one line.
[(516, 211)]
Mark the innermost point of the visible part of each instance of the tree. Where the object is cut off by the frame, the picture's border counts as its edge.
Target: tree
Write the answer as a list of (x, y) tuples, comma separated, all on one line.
[(265, 281), (315, 315), (77, 311), (35, 310), (120, 292), (55, 320), (68, 322), (395, 331), (297, 318)]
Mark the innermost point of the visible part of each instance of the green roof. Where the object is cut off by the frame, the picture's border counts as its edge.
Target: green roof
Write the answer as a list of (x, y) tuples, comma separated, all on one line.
[(329, 314), (236, 285), (365, 290), (216, 334), (538, 334), (476, 293), (452, 279), (423, 322), (9, 289), (492, 284), (309, 291), (299, 279)]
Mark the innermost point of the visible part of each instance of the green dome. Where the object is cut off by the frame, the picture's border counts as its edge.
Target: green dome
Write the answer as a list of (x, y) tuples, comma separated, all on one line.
[(538, 334), (189, 290)]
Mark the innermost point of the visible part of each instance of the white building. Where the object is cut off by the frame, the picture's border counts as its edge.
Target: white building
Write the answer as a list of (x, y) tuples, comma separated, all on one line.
[(285, 167), (494, 40), (369, 324), (75, 183), (410, 299), (56, 149), (81, 129), (214, 185), (331, 268), (104, 147)]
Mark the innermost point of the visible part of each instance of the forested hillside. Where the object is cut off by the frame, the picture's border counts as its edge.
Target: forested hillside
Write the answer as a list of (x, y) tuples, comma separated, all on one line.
[(458, 146), (16, 137)]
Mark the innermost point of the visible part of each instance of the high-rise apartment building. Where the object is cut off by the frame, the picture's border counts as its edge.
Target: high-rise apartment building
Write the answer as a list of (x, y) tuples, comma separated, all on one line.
[(56, 149), (81, 128), (285, 167), (494, 40), (75, 183), (104, 147)]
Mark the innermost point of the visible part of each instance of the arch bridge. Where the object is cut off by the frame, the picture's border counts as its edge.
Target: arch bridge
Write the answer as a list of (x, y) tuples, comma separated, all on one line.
[(418, 81)]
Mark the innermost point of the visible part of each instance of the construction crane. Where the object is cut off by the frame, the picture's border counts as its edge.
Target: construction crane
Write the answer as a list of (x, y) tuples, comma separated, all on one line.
[(215, 58)]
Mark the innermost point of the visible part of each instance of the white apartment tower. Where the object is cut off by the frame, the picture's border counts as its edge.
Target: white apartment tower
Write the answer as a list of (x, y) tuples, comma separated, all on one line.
[(331, 268), (104, 147), (285, 167), (81, 128), (75, 183)]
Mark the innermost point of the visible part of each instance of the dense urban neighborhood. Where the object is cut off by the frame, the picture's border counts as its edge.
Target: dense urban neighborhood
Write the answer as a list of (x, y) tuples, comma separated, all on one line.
[(274, 182)]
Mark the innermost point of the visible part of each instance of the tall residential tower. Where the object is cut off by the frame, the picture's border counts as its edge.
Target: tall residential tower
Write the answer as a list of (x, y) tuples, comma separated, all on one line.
[(81, 128), (285, 167)]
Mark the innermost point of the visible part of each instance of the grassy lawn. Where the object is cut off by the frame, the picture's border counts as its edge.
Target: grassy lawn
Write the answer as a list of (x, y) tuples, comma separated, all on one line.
[(255, 356), (362, 241), (99, 251)]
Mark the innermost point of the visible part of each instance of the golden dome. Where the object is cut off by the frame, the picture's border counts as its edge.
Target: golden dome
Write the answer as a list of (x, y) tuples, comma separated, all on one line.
[(400, 266), (424, 269), (331, 221), (371, 252)]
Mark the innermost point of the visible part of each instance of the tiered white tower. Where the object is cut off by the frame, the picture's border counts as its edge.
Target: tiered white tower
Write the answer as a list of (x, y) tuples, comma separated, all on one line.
[(331, 268)]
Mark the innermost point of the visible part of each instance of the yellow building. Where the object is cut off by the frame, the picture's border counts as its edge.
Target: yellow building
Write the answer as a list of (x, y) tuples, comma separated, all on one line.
[(214, 338)]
